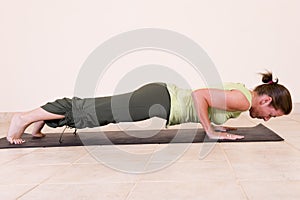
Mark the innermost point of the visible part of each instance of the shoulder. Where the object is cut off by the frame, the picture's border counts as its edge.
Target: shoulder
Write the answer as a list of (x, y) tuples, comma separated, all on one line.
[(239, 96), (239, 87), (231, 85)]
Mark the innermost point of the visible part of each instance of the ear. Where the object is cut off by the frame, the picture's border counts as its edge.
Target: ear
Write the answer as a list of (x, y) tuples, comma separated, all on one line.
[(265, 100)]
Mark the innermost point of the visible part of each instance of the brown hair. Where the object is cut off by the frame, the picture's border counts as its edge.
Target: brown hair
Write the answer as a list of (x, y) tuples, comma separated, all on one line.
[(281, 97)]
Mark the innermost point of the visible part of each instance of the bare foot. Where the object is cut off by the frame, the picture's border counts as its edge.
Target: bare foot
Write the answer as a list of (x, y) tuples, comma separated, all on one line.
[(16, 129), (15, 141), (38, 135)]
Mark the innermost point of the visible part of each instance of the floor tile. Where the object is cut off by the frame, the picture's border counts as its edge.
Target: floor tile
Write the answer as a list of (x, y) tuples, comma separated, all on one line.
[(170, 152), (293, 140), (289, 169), (87, 159), (13, 191), (103, 191), (242, 121), (258, 171), (261, 161), (200, 189), (189, 152), (295, 117), (125, 158), (49, 158), (188, 171), (27, 174), (91, 173), (4, 129), (272, 190), (205, 152), (262, 152), (281, 129), (9, 155)]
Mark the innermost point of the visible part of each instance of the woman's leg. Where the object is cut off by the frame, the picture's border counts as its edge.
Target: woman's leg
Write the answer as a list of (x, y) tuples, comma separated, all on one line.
[(151, 100), (37, 129), (21, 121)]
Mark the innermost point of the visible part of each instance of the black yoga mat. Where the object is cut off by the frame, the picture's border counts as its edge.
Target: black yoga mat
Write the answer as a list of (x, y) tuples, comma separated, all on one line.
[(258, 133)]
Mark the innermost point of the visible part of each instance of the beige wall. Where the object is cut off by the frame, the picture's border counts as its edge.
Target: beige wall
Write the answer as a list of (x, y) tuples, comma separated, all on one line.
[(43, 44)]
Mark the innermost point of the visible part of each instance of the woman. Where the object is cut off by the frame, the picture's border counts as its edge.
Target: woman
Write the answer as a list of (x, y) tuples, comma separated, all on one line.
[(162, 100)]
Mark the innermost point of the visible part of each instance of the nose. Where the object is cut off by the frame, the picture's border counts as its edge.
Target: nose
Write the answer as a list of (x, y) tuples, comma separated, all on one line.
[(266, 118)]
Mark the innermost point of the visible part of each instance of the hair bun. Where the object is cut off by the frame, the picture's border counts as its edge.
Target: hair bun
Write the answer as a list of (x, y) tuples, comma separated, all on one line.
[(267, 77)]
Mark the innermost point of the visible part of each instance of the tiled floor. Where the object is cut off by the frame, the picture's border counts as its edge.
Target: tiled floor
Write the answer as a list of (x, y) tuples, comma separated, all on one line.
[(267, 170)]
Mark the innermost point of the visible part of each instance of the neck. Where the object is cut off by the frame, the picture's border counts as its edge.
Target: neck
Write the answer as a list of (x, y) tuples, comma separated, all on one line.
[(254, 98)]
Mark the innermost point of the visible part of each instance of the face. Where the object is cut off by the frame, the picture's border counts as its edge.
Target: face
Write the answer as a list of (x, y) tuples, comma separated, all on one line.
[(261, 109)]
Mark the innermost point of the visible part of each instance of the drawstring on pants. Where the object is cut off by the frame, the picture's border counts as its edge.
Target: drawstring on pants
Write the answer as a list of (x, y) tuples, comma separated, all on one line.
[(61, 135)]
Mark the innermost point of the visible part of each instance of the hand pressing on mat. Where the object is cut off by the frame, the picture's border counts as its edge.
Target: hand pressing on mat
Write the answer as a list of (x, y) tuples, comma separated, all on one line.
[(224, 136), (224, 128)]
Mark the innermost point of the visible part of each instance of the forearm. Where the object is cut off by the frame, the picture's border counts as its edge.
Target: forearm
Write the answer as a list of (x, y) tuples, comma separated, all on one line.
[(202, 106)]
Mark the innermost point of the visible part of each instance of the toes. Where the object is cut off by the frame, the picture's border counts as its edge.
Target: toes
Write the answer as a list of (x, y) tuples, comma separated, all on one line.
[(18, 141)]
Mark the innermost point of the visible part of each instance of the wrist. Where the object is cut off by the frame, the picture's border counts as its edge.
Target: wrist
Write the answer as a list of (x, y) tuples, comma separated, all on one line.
[(210, 130)]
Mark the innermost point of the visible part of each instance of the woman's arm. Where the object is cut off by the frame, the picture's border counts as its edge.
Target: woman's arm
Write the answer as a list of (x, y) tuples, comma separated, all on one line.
[(230, 100)]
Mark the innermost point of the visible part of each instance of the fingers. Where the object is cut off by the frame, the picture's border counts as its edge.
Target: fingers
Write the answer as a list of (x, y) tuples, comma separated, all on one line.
[(224, 136), (224, 128), (230, 128), (220, 128), (229, 136)]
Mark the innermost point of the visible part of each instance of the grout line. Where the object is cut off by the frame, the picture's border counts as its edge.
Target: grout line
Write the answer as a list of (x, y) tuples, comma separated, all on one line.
[(131, 191), (291, 118), (292, 146), (235, 175), (26, 192), (150, 158), (20, 156), (43, 181), (82, 156), (285, 141)]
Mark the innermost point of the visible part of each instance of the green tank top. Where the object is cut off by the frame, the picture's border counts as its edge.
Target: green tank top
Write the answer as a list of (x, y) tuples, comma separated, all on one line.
[(183, 108)]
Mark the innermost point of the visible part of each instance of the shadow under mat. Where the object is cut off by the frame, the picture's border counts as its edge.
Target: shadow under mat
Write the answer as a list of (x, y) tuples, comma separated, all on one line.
[(258, 133)]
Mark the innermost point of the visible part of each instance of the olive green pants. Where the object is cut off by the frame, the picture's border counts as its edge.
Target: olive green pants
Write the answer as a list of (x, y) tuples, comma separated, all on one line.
[(151, 100)]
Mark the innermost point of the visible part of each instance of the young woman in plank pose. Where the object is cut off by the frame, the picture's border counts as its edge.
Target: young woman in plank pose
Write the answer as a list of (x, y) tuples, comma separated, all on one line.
[(167, 101)]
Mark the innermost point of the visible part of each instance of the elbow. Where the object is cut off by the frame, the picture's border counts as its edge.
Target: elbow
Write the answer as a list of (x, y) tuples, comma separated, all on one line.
[(193, 94), (196, 94)]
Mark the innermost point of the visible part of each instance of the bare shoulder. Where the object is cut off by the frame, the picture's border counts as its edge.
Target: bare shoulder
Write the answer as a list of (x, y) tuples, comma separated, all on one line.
[(237, 101)]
